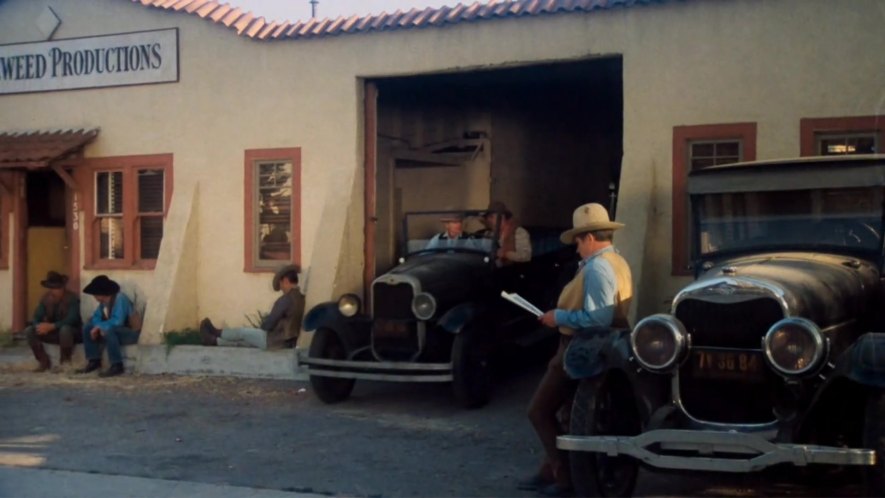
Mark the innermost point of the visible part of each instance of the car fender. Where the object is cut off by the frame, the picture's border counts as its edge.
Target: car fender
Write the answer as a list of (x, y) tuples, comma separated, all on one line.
[(864, 361), (353, 331), (457, 317)]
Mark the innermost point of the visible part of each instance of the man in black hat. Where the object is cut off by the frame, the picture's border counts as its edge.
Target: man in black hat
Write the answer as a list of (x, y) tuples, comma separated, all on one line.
[(56, 321), (278, 329), (110, 323)]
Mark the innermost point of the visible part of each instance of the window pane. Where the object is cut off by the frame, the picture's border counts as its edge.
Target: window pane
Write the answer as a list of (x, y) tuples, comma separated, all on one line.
[(150, 191), (111, 238), (834, 145), (151, 229), (712, 153), (109, 192), (274, 210)]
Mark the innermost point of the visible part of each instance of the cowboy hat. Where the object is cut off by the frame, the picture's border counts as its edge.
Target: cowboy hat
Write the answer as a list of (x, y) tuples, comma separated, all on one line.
[(454, 216), (54, 280), (282, 272), (588, 218), (102, 286), (497, 207)]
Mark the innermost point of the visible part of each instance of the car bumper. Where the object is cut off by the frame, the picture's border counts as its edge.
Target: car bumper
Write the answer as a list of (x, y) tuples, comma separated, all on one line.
[(372, 370), (715, 451)]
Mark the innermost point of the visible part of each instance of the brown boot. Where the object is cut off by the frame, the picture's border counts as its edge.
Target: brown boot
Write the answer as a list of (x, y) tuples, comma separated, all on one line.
[(41, 356), (65, 356)]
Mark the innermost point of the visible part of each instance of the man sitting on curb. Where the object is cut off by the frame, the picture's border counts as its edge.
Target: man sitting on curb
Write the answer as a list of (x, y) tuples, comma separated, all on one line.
[(56, 321), (110, 323), (279, 328)]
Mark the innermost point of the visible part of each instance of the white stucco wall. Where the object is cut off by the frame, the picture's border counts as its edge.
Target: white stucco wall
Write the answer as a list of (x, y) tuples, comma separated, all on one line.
[(684, 63)]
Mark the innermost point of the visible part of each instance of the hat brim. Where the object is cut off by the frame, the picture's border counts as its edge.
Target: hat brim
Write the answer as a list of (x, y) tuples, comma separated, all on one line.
[(568, 236), (107, 288), (282, 271), (52, 285)]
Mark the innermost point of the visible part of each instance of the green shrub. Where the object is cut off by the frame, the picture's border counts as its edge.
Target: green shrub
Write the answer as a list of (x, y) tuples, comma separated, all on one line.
[(180, 337)]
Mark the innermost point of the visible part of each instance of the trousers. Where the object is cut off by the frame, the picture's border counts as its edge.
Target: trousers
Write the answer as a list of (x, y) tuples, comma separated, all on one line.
[(243, 337), (112, 339)]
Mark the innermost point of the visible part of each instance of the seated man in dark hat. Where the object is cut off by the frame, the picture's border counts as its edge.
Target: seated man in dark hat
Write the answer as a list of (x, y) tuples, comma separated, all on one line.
[(514, 242), (279, 328), (110, 323), (56, 321)]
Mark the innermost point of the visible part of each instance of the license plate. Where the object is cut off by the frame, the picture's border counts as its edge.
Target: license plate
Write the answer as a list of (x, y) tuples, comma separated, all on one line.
[(728, 365), (391, 330)]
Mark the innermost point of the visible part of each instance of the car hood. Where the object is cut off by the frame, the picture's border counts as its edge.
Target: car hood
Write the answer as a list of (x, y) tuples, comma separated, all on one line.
[(828, 289), (445, 275)]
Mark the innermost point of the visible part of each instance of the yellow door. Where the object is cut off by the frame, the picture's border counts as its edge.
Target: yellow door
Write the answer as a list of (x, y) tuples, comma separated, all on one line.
[(47, 250)]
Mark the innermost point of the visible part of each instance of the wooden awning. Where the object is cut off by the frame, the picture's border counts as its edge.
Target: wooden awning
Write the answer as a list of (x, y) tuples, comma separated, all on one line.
[(39, 149)]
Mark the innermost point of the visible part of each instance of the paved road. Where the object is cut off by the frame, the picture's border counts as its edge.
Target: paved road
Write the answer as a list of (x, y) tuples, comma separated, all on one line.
[(387, 441)]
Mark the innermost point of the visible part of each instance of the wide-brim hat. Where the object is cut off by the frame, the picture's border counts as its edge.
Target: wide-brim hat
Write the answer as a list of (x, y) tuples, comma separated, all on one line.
[(589, 218), (102, 286), (54, 280), (497, 207), (282, 271), (457, 216)]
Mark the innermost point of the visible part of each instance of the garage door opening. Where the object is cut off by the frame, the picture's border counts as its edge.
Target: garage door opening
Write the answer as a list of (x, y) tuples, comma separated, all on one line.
[(543, 139)]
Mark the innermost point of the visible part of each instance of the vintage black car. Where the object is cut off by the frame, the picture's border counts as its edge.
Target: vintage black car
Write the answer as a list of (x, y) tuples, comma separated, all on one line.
[(437, 316), (775, 355)]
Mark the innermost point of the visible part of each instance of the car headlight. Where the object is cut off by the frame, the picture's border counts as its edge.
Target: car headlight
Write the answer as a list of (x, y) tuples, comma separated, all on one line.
[(424, 306), (659, 342), (349, 305), (794, 347)]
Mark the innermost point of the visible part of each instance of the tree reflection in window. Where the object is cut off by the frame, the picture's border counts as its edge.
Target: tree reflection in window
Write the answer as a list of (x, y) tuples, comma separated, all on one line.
[(273, 229)]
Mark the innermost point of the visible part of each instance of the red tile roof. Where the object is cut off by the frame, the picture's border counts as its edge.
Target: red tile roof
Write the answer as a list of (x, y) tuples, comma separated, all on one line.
[(246, 24), (37, 149)]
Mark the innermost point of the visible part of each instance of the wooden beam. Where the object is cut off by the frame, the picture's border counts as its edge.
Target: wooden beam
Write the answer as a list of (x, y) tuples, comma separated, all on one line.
[(66, 177)]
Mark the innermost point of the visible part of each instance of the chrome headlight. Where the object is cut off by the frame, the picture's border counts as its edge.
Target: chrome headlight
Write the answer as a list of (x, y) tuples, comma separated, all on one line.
[(424, 306), (349, 305), (794, 347), (659, 342)]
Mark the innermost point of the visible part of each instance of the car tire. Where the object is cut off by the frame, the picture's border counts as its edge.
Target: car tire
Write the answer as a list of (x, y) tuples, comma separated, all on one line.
[(327, 345), (874, 439), (603, 407), (471, 376)]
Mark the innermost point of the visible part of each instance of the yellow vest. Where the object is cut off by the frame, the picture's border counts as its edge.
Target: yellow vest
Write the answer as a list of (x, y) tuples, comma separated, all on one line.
[(572, 296)]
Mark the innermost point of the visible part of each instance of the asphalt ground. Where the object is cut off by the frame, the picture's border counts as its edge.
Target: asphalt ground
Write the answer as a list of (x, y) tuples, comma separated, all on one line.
[(388, 440)]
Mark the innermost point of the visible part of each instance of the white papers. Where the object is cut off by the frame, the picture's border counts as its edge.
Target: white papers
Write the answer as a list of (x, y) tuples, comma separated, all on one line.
[(522, 303)]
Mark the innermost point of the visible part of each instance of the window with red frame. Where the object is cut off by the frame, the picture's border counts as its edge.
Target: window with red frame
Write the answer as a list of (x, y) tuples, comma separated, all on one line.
[(847, 135), (698, 147), (129, 200), (272, 209)]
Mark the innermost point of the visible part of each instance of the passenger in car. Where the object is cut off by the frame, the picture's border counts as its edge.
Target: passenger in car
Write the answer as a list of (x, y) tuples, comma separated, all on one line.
[(514, 242), (280, 328), (597, 298), (453, 234)]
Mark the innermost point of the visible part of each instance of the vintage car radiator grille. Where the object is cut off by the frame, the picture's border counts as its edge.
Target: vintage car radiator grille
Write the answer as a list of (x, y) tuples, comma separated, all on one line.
[(392, 302), (734, 394), (395, 340), (733, 325)]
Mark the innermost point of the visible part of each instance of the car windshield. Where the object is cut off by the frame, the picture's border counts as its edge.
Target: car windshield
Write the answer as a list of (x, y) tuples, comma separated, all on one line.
[(443, 231), (838, 219)]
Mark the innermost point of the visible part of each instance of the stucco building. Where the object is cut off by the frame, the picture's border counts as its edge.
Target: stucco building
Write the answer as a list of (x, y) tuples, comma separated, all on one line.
[(186, 148)]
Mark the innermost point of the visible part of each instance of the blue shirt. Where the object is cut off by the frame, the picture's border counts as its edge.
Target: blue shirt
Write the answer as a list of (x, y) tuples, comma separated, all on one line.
[(600, 294), (117, 317)]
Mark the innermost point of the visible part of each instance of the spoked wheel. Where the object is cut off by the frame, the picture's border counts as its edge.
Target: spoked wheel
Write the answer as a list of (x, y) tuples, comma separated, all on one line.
[(471, 376), (327, 345), (603, 407), (874, 439)]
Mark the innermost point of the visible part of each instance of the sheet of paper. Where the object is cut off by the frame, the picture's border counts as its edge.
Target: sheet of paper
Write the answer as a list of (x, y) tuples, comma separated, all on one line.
[(521, 302)]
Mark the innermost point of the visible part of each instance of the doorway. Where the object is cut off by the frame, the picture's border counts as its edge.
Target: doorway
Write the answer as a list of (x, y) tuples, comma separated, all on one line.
[(47, 238), (542, 138)]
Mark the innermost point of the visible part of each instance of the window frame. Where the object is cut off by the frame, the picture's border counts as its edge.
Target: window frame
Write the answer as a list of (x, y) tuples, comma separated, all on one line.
[(811, 128), (251, 158), (129, 166), (683, 136)]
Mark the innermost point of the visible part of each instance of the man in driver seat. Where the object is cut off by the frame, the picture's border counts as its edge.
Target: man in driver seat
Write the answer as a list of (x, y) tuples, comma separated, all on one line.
[(453, 235)]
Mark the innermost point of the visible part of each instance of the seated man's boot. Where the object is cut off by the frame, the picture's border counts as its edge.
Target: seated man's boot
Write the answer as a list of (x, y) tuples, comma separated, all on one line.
[(92, 366), (208, 333), (112, 371), (66, 353), (42, 358)]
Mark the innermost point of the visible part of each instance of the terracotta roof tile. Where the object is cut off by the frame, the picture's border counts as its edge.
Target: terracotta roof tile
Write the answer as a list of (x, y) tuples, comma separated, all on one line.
[(38, 148), (246, 24)]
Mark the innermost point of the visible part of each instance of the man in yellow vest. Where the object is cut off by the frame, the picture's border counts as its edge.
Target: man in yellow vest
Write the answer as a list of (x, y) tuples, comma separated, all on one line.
[(597, 299)]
